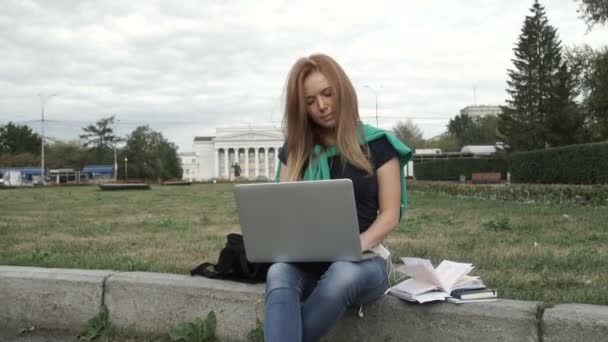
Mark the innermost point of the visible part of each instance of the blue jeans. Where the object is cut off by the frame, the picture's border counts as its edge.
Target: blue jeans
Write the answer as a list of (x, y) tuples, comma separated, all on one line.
[(303, 307)]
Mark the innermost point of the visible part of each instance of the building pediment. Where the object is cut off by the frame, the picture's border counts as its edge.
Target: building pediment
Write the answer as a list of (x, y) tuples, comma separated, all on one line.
[(249, 136)]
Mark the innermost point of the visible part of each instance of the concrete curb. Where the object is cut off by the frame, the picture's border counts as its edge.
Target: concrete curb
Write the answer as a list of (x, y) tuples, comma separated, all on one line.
[(49, 297), (575, 322), (150, 303), (391, 319)]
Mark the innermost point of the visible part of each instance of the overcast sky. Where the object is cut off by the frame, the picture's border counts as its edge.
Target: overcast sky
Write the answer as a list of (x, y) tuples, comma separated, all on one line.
[(188, 67)]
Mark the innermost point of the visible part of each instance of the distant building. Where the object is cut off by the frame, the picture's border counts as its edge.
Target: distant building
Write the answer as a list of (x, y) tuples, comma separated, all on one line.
[(190, 166), (64, 176), (254, 147), (98, 172), (481, 111), (19, 175), (427, 151), (479, 150)]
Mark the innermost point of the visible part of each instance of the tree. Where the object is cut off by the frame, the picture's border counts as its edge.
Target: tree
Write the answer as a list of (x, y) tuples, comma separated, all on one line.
[(409, 133), (17, 139), (483, 131), (593, 11), (151, 156), (566, 121), (19, 160), (459, 124), (597, 102), (68, 155), (531, 119), (445, 142), (580, 61), (593, 75), (101, 138), (474, 131), (590, 68)]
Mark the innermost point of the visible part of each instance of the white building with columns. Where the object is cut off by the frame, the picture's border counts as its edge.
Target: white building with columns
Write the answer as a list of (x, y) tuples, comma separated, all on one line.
[(253, 147)]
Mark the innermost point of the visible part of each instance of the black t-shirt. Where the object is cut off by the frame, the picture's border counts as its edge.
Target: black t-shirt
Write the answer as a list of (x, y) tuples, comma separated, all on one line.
[(365, 186)]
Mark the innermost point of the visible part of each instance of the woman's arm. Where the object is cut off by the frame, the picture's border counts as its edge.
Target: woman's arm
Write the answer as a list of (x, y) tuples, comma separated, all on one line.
[(283, 176), (389, 202)]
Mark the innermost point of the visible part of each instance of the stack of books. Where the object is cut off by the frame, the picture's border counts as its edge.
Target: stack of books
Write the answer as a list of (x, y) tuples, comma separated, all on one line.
[(449, 281), (484, 294)]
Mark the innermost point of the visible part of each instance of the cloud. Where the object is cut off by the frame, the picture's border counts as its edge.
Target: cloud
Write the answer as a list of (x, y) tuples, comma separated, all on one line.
[(188, 67)]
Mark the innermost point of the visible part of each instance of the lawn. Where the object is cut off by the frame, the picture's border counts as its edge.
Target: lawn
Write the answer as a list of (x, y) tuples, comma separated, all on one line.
[(553, 253)]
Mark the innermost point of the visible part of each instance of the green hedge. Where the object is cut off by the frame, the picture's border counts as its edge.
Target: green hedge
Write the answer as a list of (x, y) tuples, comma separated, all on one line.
[(588, 195), (451, 169), (575, 164)]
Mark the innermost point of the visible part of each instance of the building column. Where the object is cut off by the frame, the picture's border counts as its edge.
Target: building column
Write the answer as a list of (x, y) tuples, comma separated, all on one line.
[(216, 163), (266, 149), (226, 158), (247, 162), (257, 162)]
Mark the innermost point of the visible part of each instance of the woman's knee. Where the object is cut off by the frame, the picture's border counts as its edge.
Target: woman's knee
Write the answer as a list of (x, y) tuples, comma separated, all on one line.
[(343, 274), (360, 275), (281, 275)]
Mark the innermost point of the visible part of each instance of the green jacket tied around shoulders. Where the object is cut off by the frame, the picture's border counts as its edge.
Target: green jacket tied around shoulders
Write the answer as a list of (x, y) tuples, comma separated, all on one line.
[(319, 169)]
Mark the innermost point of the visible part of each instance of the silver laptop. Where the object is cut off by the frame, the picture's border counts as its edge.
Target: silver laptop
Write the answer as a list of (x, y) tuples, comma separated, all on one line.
[(312, 221)]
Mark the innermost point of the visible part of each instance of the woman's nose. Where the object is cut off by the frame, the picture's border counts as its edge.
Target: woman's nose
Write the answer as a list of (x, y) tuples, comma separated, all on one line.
[(322, 104)]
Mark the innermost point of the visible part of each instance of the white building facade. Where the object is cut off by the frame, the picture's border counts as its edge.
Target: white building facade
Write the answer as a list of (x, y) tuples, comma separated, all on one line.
[(253, 148), (189, 163)]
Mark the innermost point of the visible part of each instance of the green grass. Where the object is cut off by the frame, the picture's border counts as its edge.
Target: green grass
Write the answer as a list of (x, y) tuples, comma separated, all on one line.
[(553, 253)]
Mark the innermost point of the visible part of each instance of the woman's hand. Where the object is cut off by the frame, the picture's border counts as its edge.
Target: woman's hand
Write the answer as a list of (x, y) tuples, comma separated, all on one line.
[(365, 243)]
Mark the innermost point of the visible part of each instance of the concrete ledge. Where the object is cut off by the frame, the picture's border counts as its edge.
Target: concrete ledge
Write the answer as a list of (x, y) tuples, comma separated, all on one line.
[(49, 297), (391, 319), (575, 322), (152, 303)]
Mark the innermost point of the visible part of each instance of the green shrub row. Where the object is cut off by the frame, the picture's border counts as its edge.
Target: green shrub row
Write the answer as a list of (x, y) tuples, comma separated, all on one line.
[(451, 169), (585, 195), (575, 164)]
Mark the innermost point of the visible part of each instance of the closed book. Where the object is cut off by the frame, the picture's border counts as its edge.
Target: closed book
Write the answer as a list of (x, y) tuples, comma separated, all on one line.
[(465, 301), (474, 293)]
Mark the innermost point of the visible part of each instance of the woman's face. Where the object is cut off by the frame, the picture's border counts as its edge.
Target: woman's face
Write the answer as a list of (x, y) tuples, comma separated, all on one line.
[(319, 97)]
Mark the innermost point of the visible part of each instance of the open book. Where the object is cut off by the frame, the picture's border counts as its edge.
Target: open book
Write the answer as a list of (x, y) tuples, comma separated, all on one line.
[(429, 284)]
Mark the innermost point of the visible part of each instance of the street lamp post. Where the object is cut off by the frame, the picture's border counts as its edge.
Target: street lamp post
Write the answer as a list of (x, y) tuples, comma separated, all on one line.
[(376, 95), (43, 100), (126, 160), (115, 165), (115, 159)]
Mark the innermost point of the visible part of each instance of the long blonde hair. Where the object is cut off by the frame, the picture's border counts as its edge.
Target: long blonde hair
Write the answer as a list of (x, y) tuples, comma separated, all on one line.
[(303, 134)]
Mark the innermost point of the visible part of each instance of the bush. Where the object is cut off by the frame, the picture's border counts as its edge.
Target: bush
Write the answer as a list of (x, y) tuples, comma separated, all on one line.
[(575, 164), (588, 195), (451, 169)]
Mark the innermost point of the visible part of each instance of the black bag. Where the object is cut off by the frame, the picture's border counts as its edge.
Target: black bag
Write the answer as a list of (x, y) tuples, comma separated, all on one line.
[(233, 265)]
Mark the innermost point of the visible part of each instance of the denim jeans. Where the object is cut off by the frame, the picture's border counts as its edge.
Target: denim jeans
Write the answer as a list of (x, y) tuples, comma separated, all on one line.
[(303, 307)]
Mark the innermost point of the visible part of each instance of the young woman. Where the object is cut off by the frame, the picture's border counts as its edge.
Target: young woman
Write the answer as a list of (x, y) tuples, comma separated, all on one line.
[(326, 139)]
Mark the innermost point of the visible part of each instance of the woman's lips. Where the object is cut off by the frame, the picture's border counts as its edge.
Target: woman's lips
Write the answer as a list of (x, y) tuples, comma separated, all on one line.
[(327, 117)]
